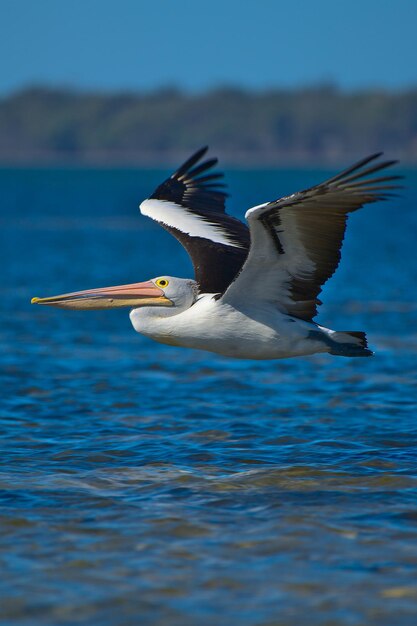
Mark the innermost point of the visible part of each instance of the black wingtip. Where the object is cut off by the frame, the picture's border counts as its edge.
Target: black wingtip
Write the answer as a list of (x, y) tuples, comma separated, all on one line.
[(199, 169), (353, 168), (193, 185), (192, 160), (357, 171)]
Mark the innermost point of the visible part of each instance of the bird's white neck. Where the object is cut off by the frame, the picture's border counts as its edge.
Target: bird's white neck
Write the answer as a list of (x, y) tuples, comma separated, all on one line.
[(155, 322)]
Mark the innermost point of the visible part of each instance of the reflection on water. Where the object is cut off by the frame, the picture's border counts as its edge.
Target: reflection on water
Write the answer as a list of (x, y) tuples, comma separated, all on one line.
[(148, 484)]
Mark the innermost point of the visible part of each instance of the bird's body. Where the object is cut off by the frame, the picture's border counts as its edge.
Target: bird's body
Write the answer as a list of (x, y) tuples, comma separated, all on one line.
[(217, 327), (255, 293), (212, 325)]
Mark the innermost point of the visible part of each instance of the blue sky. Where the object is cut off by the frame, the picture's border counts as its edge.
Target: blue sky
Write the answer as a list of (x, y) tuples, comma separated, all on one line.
[(136, 44)]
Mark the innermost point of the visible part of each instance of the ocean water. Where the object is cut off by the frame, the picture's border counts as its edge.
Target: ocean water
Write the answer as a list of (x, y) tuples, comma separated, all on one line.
[(145, 484)]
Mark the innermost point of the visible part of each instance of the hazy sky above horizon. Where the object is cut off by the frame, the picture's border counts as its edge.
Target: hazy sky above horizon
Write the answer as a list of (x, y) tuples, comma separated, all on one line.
[(138, 45)]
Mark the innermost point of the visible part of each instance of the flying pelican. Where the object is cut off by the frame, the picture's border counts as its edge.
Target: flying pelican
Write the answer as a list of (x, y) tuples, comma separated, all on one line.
[(255, 293)]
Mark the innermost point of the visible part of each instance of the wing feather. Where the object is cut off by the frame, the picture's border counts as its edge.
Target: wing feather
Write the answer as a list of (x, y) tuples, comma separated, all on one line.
[(296, 240), (192, 208)]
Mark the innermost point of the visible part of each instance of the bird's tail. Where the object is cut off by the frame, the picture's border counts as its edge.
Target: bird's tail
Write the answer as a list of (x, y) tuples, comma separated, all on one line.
[(349, 343)]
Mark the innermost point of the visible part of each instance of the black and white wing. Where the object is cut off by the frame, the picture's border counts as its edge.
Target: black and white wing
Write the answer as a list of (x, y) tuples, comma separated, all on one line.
[(191, 206), (296, 241)]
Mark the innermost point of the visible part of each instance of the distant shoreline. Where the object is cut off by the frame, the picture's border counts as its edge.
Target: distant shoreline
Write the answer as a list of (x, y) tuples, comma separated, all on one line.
[(58, 162), (318, 127)]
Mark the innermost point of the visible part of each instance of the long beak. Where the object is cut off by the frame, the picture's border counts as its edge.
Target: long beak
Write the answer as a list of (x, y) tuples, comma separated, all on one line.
[(134, 295)]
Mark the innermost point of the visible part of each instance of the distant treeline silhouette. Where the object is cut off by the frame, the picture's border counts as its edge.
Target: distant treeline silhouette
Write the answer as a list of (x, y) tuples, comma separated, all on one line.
[(320, 125)]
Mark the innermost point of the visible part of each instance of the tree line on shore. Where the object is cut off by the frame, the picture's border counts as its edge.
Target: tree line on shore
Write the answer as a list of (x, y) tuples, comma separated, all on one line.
[(317, 125)]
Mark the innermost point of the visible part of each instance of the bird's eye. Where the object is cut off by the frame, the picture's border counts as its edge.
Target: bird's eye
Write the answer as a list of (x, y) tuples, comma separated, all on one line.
[(162, 282)]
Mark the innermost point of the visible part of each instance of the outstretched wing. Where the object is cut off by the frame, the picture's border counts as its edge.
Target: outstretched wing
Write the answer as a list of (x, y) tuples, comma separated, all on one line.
[(191, 206), (296, 241)]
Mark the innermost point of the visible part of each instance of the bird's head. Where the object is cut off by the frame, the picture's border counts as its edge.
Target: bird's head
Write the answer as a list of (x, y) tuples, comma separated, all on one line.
[(172, 295)]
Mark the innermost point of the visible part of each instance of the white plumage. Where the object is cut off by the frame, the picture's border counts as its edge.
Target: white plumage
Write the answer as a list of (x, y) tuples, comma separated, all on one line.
[(186, 221), (216, 326)]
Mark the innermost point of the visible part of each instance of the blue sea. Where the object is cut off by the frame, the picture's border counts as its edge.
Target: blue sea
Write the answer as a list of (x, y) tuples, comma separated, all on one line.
[(146, 484)]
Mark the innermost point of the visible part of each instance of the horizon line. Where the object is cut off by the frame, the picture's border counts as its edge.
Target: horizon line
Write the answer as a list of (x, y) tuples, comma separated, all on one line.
[(181, 90)]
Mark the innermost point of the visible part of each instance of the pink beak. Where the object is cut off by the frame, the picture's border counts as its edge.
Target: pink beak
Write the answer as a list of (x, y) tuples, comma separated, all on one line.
[(134, 295)]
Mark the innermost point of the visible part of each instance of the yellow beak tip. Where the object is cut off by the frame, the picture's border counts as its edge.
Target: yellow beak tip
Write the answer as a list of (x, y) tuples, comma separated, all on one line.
[(34, 300)]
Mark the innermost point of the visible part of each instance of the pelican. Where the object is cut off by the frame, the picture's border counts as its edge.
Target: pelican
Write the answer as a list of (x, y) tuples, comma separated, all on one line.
[(255, 293)]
